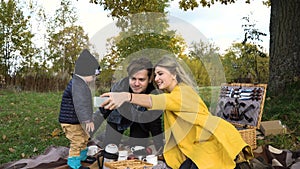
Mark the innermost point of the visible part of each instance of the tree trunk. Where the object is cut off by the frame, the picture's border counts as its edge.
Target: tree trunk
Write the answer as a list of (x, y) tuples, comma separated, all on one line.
[(284, 45)]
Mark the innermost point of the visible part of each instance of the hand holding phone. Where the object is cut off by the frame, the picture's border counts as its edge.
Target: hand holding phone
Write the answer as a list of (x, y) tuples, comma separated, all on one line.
[(99, 100)]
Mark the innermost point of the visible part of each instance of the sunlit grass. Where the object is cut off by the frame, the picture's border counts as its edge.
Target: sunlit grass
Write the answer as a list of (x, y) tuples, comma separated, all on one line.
[(286, 109), (28, 124)]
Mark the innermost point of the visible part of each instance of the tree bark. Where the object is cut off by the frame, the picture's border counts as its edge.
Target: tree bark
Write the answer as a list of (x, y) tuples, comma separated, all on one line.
[(284, 45)]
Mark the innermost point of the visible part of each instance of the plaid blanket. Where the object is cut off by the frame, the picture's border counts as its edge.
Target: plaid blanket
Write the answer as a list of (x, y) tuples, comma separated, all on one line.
[(269, 157)]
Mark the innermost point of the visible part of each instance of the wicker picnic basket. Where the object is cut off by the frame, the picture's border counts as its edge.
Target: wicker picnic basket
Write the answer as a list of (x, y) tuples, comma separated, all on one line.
[(124, 164), (249, 136), (242, 105)]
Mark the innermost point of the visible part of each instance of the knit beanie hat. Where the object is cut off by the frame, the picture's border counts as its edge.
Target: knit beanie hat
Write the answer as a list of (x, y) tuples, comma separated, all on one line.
[(86, 64)]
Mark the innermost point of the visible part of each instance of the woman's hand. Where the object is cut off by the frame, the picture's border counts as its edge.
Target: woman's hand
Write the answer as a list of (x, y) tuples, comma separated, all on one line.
[(115, 99)]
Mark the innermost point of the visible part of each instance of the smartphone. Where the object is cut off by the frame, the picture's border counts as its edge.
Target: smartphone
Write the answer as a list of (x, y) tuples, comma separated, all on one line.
[(99, 100)]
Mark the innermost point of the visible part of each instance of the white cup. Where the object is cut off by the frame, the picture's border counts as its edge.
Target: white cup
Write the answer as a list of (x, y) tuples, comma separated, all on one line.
[(137, 148), (92, 150), (112, 148), (151, 159), (99, 100), (123, 155), (141, 158)]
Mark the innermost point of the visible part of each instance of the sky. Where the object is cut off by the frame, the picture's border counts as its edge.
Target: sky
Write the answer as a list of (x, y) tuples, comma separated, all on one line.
[(219, 24)]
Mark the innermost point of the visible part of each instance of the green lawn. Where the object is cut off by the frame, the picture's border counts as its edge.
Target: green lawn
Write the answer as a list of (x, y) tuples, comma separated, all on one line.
[(28, 124), (29, 121)]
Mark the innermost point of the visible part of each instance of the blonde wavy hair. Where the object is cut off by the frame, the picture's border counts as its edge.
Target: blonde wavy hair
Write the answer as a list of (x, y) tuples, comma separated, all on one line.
[(178, 68)]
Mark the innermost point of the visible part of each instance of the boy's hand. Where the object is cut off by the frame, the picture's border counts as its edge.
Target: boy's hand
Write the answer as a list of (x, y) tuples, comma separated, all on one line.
[(89, 127)]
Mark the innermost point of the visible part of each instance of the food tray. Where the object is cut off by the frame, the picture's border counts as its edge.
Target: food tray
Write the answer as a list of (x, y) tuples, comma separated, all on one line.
[(126, 164)]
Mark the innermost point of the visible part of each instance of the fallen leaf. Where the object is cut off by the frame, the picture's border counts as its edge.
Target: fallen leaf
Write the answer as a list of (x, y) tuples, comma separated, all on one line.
[(35, 149), (11, 150), (37, 120), (4, 137), (23, 155), (55, 132)]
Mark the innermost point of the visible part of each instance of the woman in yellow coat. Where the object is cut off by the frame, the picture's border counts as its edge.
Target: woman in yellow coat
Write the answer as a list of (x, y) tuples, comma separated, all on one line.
[(193, 135)]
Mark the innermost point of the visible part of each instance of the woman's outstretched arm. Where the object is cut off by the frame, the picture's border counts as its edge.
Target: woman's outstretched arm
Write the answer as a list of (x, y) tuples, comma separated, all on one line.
[(116, 99)]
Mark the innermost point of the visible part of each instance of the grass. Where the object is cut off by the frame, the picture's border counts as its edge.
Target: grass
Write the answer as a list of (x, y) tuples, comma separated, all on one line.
[(28, 124), (286, 109), (29, 121)]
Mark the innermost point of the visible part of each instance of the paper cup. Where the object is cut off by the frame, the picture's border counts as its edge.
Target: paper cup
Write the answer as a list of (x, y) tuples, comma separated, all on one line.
[(123, 155), (151, 159), (92, 150)]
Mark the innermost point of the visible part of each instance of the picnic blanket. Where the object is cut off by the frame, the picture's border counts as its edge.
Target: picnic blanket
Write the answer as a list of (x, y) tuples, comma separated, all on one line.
[(52, 157), (266, 157)]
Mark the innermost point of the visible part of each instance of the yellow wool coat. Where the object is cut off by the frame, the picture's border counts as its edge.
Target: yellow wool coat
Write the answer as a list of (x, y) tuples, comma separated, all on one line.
[(192, 132)]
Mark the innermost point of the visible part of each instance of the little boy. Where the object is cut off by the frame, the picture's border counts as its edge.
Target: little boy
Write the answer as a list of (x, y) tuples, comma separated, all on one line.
[(77, 109)]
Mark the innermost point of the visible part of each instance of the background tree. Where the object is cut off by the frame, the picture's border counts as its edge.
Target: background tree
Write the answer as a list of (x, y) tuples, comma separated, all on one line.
[(284, 37), (204, 62), (127, 45), (204, 67), (35, 61), (243, 63), (65, 47), (123, 8), (284, 45), (66, 39), (143, 26), (38, 21), (284, 52), (15, 39), (253, 48)]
